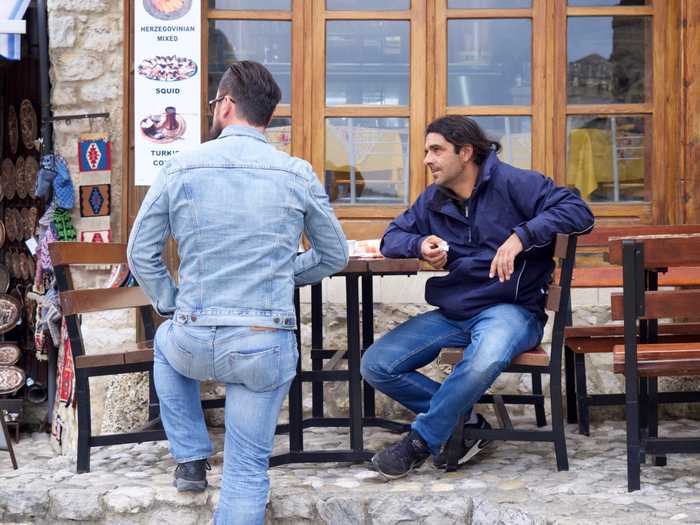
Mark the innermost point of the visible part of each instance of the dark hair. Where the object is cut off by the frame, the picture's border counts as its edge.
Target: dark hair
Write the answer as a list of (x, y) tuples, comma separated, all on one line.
[(253, 89), (460, 131)]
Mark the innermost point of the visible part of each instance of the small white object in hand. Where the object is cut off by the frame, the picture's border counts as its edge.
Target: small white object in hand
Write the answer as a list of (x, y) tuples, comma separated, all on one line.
[(444, 247)]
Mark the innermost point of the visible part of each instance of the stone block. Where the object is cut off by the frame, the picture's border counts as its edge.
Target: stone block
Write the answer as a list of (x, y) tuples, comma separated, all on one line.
[(92, 6), (63, 95), (78, 65), (345, 510), (129, 500), (61, 31), (103, 34), (75, 504), (100, 90), (420, 508)]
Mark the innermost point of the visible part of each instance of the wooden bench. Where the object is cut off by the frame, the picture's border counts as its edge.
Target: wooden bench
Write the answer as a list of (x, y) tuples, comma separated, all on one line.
[(536, 362), (124, 359), (641, 303), (582, 340)]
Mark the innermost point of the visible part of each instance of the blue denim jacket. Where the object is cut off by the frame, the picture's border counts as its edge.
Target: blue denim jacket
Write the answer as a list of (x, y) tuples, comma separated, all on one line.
[(237, 208)]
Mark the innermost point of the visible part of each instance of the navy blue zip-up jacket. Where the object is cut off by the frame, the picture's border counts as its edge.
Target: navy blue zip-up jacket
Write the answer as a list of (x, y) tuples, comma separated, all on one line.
[(505, 200)]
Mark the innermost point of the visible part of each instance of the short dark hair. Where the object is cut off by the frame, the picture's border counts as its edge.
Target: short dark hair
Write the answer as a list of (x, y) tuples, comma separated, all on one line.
[(460, 131), (253, 89)]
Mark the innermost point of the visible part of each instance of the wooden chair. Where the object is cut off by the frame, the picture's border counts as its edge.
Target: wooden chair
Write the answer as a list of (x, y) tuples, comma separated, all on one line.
[(123, 359), (648, 356), (582, 340), (536, 362)]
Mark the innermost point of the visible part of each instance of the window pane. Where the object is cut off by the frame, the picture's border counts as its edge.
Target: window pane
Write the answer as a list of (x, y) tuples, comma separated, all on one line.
[(279, 134), (476, 4), (608, 158), (489, 62), (267, 42), (367, 5), (367, 62), (609, 59), (257, 5), (367, 160), (515, 136), (608, 2)]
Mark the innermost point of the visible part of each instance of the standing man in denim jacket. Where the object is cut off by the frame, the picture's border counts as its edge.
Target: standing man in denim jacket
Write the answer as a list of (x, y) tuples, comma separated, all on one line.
[(237, 208), (491, 226)]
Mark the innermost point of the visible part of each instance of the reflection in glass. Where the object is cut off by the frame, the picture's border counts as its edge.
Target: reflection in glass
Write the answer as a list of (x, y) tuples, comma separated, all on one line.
[(367, 5), (258, 5), (367, 62), (267, 42), (608, 2), (515, 136), (609, 59), (367, 160), (477, 4), (608, 157), (489, 62), (279, 134)]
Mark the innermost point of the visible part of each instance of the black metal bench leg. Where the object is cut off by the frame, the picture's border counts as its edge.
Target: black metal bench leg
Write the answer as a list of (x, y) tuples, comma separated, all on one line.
[(453, 447), (653, 417), (558, 421), (582, 395), (570, 376), (84, 422), (540, 417)]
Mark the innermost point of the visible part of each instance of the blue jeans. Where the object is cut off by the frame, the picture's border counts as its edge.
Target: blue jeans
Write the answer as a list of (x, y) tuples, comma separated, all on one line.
[(491, 339), (257, 366)]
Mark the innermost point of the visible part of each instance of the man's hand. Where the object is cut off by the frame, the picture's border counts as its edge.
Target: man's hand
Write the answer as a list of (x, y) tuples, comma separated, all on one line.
[(431, 252), (504, 261)]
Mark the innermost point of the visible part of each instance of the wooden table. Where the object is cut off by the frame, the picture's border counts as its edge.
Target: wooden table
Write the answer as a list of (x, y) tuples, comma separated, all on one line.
[(360, 335)]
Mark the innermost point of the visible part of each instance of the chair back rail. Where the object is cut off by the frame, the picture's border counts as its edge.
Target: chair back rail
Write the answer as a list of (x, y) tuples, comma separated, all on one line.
[(84, 253), (660, 304), (101, 299)]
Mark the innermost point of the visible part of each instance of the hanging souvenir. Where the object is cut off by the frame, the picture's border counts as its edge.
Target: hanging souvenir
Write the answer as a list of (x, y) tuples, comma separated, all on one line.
[(10, 311), (8, 179), (2, 234), (94, 152), (21, 178), (9, 354), (65, 388), (28, 125), (4, 279), (11, 379), (12, 130), (95, 201), (31, 167)]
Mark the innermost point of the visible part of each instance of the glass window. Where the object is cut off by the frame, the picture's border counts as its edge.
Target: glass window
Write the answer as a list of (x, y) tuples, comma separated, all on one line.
[(367, 5), (608, 2), (493, 4), (252, 5), (608, 157), (367, 160), (267, 42), (489, 62), (609, 59), (515, 136), (367, 62), (279, 134)]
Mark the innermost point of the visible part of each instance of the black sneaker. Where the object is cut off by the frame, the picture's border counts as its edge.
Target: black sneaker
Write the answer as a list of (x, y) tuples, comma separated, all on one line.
[(191, 476), (400, 458), (471, 447)]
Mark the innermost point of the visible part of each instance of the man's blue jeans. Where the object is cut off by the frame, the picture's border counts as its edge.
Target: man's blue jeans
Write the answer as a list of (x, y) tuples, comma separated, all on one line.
[(491, 339), (257, 367)]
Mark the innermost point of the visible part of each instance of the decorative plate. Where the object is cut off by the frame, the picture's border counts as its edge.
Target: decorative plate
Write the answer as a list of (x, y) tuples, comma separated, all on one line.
[(14, 265), (10, 224), (10, 310), (32, 268), (167, 9), (21, 178), (11, 379), (12, 130), (23, 266), (8, 178), (4, 278), (31, 168), (27, 122), (9, 354), (2, 234), (27, 223)]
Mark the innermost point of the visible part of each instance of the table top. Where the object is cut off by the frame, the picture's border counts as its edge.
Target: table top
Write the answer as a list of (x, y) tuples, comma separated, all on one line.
[(380, 266)]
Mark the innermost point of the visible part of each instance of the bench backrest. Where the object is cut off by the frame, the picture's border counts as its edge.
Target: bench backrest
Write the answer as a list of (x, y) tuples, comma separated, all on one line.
[(74, 302)]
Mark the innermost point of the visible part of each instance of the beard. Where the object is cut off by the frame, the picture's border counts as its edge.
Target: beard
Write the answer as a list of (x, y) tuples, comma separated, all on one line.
[(215, 129)]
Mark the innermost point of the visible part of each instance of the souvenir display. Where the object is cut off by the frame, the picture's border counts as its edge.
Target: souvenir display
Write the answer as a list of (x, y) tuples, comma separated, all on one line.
[(27, 222), (9, 180), (14, 265), (94, 152), (9, 354), (2, 234), (167, 9), (21, 178), (28, 125), (12, 130), (4, 278), (11, 379), (31, 167), (10, 311), (95, 201), (167, 68), (10, 224), (24, 271)]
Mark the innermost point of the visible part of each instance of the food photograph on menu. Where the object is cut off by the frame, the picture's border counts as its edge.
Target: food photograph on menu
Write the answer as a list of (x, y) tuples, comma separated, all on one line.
[(167, 68), (167, 9), (163, 128)]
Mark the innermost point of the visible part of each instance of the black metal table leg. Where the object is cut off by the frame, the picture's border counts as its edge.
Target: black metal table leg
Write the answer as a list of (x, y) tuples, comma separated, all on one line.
[(571, 414), (355, 383), (367, 338), (316, 343), (296, 410)]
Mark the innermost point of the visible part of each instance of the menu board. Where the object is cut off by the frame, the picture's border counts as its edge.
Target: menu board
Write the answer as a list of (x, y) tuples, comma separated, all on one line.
[(167, 83)]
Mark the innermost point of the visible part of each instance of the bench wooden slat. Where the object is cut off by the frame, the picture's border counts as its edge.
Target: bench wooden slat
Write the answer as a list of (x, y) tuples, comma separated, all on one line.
[(673, 359), (66, 253), (100, 299), (141, 352), (599, 236), (571, 332), (658, 304), (661, 251), (591, 345), (611, 277), (535, 357), (88, 361), (138, 356)]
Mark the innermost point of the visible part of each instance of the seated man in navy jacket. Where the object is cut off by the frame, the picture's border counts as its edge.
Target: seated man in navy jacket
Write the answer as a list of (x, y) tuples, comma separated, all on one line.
[(492, 227)]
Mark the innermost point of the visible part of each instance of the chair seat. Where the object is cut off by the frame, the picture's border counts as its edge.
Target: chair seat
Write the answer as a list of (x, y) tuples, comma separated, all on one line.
[(534, 357), (141, 352), (666, 359)]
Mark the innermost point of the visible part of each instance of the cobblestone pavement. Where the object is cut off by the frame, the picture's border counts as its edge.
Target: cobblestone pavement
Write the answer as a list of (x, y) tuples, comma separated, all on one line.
[(510, 483)]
